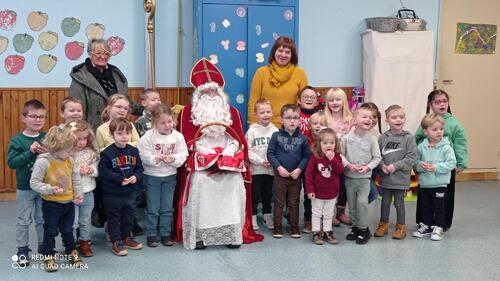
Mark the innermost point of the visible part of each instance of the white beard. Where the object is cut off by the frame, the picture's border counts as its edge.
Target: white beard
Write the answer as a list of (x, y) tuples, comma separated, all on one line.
[(208, 109)]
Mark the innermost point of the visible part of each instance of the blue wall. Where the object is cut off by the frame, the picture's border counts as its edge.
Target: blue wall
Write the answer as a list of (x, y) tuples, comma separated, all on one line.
[(329, 34)]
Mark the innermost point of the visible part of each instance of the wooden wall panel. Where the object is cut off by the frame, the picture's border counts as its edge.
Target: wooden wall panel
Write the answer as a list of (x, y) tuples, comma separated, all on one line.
[(13, 99)]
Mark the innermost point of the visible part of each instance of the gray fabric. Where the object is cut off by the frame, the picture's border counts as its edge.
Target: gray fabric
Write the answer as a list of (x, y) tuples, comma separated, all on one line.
[(401, 151), (360, 150), (357, 199), (399, 204), (85, 87)]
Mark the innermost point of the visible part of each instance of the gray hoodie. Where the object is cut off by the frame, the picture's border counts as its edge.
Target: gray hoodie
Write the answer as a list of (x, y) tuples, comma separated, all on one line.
[(401, 151)]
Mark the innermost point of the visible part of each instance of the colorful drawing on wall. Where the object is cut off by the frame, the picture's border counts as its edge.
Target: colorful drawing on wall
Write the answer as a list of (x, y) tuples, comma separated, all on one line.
[(213, 58), (476, 38), (7, 19), (95, 31), (288, 15), (258, 29), (74, 50), (4, 43), (116, 44), (46, 63), (213, 27), (48, 40), (259, 57), (241, 12), (226, 23), (22, 42), (70, 26), (14, 64), (240, 72), (37, 20), (240, 46), (225, 44)]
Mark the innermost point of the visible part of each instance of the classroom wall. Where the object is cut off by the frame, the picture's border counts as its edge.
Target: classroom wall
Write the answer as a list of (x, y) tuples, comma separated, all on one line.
[(329, 34)]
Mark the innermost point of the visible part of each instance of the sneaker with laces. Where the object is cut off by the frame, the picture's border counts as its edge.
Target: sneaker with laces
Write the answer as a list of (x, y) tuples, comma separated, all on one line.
[(363, 236), (50, 264), (437, 233), (307, 227), (295, 232), (23, 259), (119, 249), (328, 236), (424, 230), (255, 225), (353, 234), (167, 241), (152, 241), (317, 239), (130, 243), (75, 259), (278, 232), (85, 248), (269, 221)]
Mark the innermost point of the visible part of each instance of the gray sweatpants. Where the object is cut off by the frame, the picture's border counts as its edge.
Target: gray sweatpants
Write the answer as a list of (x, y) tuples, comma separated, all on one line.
[(357, 199), (399, 204)]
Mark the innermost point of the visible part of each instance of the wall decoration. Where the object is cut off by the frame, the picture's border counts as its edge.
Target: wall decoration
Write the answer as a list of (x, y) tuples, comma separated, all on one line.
[(37, 20), (212, 27), (475, 38), (258, 29), (240, 99), (288, 15), (213, 58), (74, 50), (22, 42), (14, 64), (70, 26), (259, 57), (241, 12), (48, 40), (225, 44), (240, 46), (116, 44), (275, 36), (46, 63), (95, 31), (240, 72), (4, 43), (226, 23), (264, 45), (7, 19)]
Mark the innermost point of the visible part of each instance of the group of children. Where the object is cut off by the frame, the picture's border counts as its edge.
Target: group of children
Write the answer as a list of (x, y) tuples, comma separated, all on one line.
[(335, 154), (331, 153), (56, 175)]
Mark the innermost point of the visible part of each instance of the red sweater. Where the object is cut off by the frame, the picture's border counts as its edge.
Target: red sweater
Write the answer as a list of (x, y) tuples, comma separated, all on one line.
[(322, 177)]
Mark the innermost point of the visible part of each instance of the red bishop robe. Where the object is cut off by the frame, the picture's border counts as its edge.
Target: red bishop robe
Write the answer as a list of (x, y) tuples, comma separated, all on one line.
[(186, 127)]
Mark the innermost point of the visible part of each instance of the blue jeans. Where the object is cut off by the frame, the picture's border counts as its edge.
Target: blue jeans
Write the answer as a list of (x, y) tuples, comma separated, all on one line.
[(159, 197), (59, 217), (29, 206), (83, 212)]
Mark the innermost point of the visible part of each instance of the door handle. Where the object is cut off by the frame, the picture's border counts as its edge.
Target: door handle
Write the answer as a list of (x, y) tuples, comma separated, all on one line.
[(448, 81)]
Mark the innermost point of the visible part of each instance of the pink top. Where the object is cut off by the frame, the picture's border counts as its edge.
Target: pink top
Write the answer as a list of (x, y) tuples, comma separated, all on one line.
[(341, 128)]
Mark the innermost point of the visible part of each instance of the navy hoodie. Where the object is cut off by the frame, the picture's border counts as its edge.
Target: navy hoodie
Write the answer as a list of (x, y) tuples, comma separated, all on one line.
[(116, 164), (289, 151)]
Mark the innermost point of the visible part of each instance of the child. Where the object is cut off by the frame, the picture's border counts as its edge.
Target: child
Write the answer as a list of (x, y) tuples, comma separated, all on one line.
[(162, 151), (149, 99), (288, 153), (361, 155), (85, 159), (23, 150), (340, 120), (435, 162), (308, 102), (323, 183), (258, 137), (118, 106), (71, 109), (398, 156), (120, 169), (56, 179), (438, 101), (375, 130)]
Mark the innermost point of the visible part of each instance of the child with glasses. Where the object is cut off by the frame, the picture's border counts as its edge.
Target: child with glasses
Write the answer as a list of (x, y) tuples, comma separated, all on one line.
[(288, 152), (23, 150)]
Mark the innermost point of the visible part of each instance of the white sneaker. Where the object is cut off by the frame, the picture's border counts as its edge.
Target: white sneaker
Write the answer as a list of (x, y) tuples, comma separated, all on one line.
[(424, 230), (437, 233), (268, 219), (254, 222)]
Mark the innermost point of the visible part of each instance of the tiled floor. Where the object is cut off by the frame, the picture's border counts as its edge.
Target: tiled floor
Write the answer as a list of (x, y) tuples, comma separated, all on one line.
[(469, 251)]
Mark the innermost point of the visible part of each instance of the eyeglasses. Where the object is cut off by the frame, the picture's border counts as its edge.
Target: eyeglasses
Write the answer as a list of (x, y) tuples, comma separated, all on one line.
[(36, 117), (100, 54), (440, 102), (309, 97), (291, 118)]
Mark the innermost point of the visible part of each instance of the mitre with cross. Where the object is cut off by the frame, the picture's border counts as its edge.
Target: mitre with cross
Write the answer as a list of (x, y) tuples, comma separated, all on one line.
[(204, 72)]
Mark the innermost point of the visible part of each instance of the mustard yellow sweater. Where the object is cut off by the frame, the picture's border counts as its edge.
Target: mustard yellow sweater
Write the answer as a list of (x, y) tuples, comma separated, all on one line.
[(279, 96)]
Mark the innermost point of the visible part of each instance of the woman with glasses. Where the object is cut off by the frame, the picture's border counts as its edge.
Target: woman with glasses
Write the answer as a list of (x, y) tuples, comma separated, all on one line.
[(280, 81), (95, 80)]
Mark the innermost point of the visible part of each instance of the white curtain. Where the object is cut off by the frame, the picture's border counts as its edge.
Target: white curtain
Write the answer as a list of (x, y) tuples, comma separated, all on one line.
[(398, 68)]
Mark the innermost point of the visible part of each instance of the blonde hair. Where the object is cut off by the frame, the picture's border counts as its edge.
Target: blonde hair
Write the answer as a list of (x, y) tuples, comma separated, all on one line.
[(393, 108), (323, 134), (261, 102), (337, 92), (59, 139), (159, 110), (317, 117), (111, 101), (430, 119), (80, 126)]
